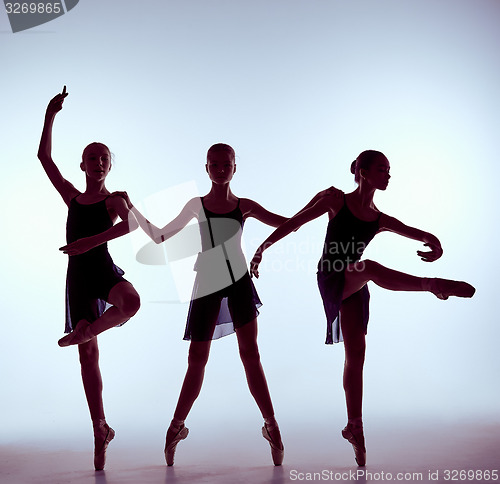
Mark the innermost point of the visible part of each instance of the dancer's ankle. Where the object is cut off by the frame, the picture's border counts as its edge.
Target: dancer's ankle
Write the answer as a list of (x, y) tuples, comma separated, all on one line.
[(355, 423), (271, 422), (273, 431), (427, 284), (176, 424), (99, 424)]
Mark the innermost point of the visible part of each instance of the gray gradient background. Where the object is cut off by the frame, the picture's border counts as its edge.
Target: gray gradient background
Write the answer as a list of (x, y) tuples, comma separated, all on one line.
[(298, 89)]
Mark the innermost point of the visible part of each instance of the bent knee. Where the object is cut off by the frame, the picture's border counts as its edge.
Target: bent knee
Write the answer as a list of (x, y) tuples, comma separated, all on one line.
[(131, 304)]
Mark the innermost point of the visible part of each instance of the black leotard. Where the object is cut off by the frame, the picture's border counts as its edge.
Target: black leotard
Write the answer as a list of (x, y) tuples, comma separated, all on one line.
[(224, 296), (90, 275), (346, 238)]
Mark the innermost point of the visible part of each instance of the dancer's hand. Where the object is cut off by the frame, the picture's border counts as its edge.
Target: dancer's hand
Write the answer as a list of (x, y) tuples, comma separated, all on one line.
[(78, 246), (254, 264), (125, 196), (56, 103), (435, 253)]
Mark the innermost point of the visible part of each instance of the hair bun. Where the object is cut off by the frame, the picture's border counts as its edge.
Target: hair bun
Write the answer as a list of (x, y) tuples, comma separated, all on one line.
[(353, 167)]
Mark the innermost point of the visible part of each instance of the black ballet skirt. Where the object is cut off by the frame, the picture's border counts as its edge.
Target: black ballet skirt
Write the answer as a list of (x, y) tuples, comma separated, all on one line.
[(224, 296), (91, 275), (346, 238)]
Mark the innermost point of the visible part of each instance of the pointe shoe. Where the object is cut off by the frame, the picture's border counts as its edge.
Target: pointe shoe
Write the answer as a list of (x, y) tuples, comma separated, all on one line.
[(100, 448), (81, 334), (170, 447), (444, 288), (357, 439), (276, 453)]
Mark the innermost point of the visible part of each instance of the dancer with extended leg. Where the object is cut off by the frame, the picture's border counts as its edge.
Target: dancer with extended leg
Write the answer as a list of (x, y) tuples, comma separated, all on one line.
[(224, 299), (92, 279), (343, 277)]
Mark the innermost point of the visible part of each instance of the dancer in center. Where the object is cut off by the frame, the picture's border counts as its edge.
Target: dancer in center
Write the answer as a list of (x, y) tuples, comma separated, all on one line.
[(343, 277), (224, 299)]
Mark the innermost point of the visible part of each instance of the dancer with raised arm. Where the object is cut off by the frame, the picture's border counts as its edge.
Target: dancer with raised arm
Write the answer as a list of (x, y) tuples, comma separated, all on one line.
[(342, 276), (93, 281), (224, 299)]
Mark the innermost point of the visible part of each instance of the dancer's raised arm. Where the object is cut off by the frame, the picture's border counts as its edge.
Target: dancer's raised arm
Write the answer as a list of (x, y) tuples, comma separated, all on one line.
[(393, 225), (63, 186)]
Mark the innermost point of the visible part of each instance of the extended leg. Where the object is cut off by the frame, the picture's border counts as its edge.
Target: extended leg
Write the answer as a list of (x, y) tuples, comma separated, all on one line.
[(125, 303), (358, 274), (250, 357)]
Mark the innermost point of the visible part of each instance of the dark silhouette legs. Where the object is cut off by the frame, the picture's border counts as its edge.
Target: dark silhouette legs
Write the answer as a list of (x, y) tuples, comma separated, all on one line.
[(249, 353), (191, 387), (125, 301), (92, 384), (257, 384), (91, 376), (250, 357), (198, 357), (351, 320)]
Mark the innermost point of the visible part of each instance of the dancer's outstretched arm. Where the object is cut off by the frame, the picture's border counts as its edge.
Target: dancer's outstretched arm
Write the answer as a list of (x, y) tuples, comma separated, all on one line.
[(393, 225), (63, 186), (323, 205), (159, 235), (128, 224), (249, 208)]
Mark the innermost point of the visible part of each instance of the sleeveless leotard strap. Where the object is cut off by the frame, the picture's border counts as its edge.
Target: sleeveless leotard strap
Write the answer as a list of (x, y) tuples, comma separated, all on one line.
[(208, 221)]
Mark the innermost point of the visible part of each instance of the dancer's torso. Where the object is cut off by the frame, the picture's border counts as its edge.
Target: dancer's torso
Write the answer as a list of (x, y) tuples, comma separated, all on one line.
[(85, 221), (346, 238)]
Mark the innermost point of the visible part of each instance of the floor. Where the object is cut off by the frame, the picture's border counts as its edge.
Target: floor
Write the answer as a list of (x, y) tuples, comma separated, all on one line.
[(406, 453)]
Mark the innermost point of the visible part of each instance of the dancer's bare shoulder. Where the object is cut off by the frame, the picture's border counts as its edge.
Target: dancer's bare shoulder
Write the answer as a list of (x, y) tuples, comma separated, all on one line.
[(193, 207), (248, 207), (332, 200)]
